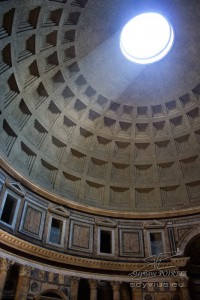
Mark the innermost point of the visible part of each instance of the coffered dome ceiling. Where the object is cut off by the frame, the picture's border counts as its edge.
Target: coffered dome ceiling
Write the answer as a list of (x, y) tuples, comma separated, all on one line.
[(82, 122)]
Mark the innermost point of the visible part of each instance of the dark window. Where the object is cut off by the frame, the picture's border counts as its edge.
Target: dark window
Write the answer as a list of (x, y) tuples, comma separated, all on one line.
[(9, 209), (156, 243), (105, 241), (56, 231)]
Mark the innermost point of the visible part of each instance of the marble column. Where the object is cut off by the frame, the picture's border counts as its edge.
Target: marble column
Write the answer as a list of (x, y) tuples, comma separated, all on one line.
[(74, 281), (136, 293), (23, 282), (4, 267), (93, 289), (116, 290)]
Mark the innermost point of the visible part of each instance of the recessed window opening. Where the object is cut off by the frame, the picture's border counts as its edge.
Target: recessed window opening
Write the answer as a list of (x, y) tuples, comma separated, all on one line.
[(9, 209), (146, 38), (156, 243), (55, 231), (105, 241)]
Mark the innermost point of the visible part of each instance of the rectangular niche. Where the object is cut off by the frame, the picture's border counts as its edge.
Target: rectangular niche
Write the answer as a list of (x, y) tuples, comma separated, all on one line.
[(21, 114), (163, 149), (26, 47), (183, 144), (82, 138), (166, 171), (5, 58), (143, 173), (124, 129), (122, 150), (142, 150), (97, 168), (127, 111), (101, 102), (160, 128), (108, 125), (32, 220), (67, 127), (8, 137), (114, 108), (89, 93), (66, 96), (193, 190), (75, 160), (77, 109), (142, 112), (55, 148), (72, 70), (178, 124), (56, 231), (156, 242), (51, 113), (81, 236), (131, 242), (194, 116), (186, 100), (27, 158), (120, 172), (142, 130), (94, 192), (36, 134), (171, 107), (190, 166), (70, 184), (11, 90), (102, 146), (119, 197), (92, 118), (106, 241), (157, 111), (47, 173), (9, 209), (172, 196), (145, 198)]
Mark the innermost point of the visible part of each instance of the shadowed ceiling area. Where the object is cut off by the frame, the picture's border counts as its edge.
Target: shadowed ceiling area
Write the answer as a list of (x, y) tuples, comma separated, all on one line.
[(79, 120)]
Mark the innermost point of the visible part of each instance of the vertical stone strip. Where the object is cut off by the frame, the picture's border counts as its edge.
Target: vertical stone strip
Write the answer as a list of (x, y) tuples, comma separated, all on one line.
[(74, 287), (4, 267), (23, 282)]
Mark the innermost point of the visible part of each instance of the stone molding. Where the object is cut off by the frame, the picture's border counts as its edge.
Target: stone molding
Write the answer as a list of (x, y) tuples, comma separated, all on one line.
[(28, 248)]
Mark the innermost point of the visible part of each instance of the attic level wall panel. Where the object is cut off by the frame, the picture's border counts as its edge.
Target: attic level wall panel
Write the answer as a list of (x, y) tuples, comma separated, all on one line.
[(81, 236), (33, 218), (131, 242)]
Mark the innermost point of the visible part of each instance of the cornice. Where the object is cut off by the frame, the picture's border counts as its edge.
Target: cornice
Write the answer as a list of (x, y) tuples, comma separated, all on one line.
[(53, 256)]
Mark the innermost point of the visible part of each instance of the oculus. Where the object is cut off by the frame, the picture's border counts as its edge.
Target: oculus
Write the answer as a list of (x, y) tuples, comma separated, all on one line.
[(146, 38)]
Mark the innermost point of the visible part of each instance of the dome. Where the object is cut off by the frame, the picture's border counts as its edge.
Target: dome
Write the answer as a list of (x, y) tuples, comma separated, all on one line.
[(99, 156), (84, 125)]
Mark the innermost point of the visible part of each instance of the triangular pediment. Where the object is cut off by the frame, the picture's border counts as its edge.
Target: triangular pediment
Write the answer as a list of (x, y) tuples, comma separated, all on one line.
[(106, 222), (60, 210), (154, 224), (16, 187)]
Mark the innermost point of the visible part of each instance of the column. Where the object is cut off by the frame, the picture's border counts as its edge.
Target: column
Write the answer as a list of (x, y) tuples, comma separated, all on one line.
[(93, 289), (4, 267), (23, 282), (74, 287), (136, 293), (116, 290), (183, 284)]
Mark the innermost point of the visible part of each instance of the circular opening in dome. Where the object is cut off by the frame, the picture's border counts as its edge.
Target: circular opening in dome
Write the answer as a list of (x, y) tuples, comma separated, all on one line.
[(146, 38)]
